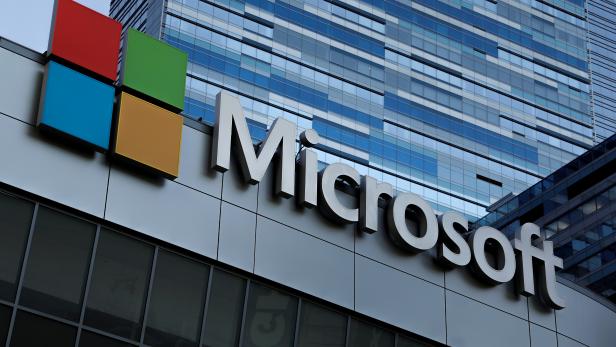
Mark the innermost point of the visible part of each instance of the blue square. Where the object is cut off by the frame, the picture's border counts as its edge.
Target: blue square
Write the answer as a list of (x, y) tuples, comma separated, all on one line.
[(76, 105)]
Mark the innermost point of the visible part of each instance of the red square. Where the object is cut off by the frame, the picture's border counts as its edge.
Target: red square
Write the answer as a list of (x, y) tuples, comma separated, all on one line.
[(85, 38)]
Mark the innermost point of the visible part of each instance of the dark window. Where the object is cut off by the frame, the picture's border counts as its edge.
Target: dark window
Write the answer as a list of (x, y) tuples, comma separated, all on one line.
[(31, 330), (270, 318), (408, 342), (176, 302), (15, 219), (224, 310), (367, 335), (319, 327), (5, 319), (119, 285), (89, 339), (58, 264)]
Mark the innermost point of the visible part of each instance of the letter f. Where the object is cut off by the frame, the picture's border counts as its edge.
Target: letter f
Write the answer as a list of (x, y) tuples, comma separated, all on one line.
[(528, 260)]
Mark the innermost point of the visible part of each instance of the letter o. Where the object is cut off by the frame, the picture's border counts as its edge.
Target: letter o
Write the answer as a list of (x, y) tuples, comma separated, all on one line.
[(329, 203), (505, 259), (398, 230)]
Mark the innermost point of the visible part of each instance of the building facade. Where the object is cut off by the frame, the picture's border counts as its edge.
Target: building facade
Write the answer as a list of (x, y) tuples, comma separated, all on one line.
[(575, 207), (460, 102), (98, 253), (601, 41)]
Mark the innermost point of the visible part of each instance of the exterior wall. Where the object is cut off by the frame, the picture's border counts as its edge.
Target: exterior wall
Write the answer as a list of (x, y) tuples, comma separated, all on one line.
[(219, 217)]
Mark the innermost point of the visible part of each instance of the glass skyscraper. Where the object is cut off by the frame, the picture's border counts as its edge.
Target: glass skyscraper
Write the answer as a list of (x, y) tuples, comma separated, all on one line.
[(602, 57), (576, 208), (462, 102)]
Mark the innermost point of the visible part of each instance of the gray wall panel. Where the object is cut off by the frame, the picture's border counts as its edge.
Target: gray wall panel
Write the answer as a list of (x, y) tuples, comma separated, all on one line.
[(236, 242), (380, 247), (585, 320), (310, 221), (20, 86), (501, 296), (50, 169), (542, 337), (236, 191), (195, 169), (564, 341), (165, 210), (473, 324), (399, 299), (540, 314), (304, 262)]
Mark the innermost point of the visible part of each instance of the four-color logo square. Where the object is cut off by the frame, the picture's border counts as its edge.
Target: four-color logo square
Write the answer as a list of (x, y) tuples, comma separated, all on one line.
[(85, 38), (76, 105), (149, 135), (155, 69)]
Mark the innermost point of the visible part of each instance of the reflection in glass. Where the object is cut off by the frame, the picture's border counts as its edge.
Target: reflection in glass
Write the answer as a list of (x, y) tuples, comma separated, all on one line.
[(15, 219), (320, 327), (56, 287), (224, 310), (270, 318), (31, 330), (176, 302), (5, 319), (89, 339), (367, 335), (119, 285), (408, 342)]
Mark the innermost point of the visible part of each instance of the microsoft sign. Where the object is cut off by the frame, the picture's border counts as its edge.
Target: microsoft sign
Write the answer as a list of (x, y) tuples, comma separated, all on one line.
[(529, 258), (137, 120)]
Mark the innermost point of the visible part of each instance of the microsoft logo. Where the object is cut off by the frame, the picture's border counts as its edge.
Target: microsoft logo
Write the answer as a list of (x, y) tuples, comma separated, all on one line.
[(80, 95)]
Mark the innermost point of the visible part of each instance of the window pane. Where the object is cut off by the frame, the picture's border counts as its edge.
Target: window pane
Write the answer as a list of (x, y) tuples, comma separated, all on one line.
[(5, 319), (58, 264), (368, 335), (321, 327), (224, 310), (119, 285), (270, 318), (31, 330), (176, 303), (89, 339), (15, 219), (408, 342)]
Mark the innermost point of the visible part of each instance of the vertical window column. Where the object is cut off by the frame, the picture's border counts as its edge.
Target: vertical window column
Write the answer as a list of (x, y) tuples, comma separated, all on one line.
[(176, 302), (119, 285)]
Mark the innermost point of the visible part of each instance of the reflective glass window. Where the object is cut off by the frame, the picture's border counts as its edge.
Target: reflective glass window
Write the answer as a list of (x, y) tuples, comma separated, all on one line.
[(588, 207), (176, 301), (602, 200), (15, 219), (5, 320), (56, 287), (89, 339), (270, 318), (320, 327), (612, 194), (32, 330), (119, 285), (408, 342), (367, 335), (224, 310)]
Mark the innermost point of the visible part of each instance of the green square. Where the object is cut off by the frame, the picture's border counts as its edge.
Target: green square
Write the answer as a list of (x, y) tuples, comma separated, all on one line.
[(154, 68)]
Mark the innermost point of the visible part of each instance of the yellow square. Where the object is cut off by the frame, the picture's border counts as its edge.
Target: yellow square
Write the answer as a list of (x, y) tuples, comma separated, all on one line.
[(149, 135)]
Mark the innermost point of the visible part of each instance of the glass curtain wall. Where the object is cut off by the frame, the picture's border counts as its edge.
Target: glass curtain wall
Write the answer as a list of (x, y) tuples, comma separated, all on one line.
[(65, 281)]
